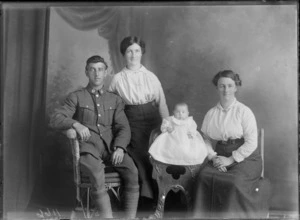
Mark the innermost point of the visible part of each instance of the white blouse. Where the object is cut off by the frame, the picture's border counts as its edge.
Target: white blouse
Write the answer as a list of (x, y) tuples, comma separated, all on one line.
[(139, 87), (237, 121)]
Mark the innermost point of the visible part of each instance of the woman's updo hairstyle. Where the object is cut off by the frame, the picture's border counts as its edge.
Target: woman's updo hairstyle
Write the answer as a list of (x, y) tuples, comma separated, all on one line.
[(229, 74), (128, 41)]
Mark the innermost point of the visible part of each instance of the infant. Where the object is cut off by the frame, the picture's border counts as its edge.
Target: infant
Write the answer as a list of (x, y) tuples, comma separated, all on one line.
[(179, 143)]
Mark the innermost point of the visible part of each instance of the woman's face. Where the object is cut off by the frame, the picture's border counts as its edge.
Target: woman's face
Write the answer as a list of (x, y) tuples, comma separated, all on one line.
[(226, 88), (133, 55)]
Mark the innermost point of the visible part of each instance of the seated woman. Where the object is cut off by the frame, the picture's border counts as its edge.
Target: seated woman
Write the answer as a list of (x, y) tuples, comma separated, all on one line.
[(226, 185), (180, 143)]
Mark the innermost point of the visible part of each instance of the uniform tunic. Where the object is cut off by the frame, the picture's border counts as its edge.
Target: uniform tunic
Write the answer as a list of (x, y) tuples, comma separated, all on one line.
[(183, 146), (145, 107), (103, 114), (230, 194)]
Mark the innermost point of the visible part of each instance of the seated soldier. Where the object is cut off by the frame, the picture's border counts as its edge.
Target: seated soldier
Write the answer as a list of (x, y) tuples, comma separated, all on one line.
[(104, 133)]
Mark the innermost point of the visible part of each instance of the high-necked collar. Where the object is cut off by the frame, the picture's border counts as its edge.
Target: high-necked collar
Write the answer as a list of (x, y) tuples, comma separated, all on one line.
[(182, 122), (141, 69), (229, 107), (90, 89)]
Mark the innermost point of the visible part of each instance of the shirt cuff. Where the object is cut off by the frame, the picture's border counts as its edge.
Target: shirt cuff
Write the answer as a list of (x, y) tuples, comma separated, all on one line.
[(237, 156), (211, 155), (69, 123), (124, 149)]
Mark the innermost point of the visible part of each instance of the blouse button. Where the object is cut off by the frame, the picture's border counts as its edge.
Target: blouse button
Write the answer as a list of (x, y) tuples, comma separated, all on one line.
[(98, 104), (98, 125), (97, 95), (99, 115)]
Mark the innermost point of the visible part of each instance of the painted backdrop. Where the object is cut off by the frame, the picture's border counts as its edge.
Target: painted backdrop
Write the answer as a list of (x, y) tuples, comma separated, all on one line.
[(185, 47)]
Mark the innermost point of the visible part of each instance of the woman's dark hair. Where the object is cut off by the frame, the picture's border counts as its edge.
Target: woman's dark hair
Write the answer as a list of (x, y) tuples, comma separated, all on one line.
[(229, 74), (128, 41), (95, 59)]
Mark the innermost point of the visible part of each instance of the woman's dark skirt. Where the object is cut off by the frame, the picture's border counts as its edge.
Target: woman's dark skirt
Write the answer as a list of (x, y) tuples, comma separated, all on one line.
[(231, 194), (142, 119)]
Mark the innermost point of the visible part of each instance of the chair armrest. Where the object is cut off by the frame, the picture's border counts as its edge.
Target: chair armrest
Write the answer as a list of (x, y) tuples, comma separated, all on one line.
[(72, 136), (70, 133)]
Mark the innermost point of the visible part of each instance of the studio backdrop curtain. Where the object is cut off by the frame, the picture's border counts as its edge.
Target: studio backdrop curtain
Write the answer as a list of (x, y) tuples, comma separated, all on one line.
[(24, 47), (113, 23)]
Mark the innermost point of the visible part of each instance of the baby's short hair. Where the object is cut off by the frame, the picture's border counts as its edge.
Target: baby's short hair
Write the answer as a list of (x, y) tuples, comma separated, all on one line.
[(181, 104)]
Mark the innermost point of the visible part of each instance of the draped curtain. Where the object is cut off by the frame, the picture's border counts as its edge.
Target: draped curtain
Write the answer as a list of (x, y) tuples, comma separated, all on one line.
[(24, 62), (25, 42), (112, 23)]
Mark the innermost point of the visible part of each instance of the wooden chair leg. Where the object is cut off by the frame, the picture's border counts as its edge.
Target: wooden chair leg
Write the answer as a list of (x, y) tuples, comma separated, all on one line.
[(159, 212), (88, 203)]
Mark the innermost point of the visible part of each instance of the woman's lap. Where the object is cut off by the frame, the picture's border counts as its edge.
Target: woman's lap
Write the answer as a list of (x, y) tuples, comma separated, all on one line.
[(226, 193)]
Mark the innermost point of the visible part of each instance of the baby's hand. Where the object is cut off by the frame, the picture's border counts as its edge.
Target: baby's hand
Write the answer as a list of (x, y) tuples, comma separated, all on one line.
[(170, 129), (190, 135)]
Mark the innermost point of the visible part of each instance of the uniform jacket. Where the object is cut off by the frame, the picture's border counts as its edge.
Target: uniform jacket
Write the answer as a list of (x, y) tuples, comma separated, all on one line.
[(101, 111)]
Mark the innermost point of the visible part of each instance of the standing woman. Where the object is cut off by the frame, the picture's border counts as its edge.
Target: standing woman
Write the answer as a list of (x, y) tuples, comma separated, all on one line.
[(226, 185), (145, 107)]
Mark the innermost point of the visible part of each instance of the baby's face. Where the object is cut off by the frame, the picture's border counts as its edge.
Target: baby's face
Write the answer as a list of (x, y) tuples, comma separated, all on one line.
[(181, 112)]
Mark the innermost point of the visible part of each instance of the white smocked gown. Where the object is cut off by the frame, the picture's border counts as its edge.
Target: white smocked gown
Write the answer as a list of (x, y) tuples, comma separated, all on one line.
[(183, 146)]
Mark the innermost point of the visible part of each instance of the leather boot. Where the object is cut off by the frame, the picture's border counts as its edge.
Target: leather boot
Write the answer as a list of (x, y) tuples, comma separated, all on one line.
[(102, 203), (130, 201)]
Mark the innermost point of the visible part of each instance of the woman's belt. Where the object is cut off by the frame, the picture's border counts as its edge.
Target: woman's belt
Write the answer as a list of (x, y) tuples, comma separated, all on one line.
[(152, 103), (231, 141)]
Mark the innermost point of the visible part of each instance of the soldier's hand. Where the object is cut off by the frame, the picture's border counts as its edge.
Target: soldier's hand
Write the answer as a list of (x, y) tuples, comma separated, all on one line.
[(117, 156), (82, 131)]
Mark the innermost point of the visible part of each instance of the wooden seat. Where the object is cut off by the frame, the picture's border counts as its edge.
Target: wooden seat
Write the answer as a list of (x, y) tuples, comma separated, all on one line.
[(83, 185)]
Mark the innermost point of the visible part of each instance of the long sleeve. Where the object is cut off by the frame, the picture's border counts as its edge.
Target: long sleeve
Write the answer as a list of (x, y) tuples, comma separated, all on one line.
[(139, 87), (161, 100), (250, 136), (208, 143), (62, 118)]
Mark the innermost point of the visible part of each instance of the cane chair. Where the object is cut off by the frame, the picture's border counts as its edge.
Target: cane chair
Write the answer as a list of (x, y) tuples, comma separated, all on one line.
[(184, 176), (112, 178)]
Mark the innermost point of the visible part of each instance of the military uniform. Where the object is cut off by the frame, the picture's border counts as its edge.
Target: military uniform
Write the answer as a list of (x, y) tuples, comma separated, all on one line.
[(103, 114)]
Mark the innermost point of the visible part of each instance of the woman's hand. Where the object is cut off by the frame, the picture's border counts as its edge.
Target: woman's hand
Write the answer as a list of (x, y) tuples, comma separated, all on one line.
[(226, 161), (221, 162)]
